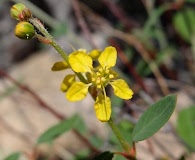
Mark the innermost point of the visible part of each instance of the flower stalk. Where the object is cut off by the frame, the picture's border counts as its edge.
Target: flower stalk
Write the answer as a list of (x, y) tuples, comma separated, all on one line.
[(42, 29), (54, 44), (126, 147)]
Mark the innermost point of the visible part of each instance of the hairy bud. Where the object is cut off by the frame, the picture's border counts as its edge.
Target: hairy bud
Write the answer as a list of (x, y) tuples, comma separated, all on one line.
[(24, 30), (20, 12)]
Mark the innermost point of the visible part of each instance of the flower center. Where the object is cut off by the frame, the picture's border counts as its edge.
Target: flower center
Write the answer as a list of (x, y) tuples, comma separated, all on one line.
[(101, 77)]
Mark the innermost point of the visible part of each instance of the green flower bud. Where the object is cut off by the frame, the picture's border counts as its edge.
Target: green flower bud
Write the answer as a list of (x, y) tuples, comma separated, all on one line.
[(20, 12), (24, 30)]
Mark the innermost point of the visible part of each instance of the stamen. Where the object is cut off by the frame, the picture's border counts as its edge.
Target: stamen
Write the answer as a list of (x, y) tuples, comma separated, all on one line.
[(99, 86), (103, 79), (93, 79), (100, 69), (111, 76), (98, 73), (98, 81), (107, 71)]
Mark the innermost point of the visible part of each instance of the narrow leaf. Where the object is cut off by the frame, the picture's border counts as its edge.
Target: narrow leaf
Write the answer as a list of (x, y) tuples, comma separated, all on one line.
[(186, 30), (186, 126), (13, 156), (80, 125), (58, 129), (154, 118)]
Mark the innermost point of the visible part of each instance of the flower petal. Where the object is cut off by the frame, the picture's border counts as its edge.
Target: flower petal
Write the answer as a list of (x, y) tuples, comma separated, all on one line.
[(77, 91), (102, 108), (94, 54), (58, 66), (108, 57), (67, 82), (121, 89), (80, 61)]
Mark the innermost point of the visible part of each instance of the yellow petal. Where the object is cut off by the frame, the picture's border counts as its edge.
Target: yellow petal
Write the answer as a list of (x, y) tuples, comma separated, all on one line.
[(67, 82), (80, 61), (94, 54), (77, 91), (108, 57), (58, 66), (102, 108), (121, 89)]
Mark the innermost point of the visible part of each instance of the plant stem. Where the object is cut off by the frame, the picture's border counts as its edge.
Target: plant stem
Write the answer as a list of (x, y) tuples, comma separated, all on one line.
[(42, 29), (118, 135), (56, 46), (60, 50)]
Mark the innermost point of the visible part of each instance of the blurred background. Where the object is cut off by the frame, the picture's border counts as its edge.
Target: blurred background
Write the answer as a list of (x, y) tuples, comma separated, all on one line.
[(155, 40)]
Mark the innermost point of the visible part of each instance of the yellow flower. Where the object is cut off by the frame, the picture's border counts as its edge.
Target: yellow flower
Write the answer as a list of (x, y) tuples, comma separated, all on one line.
[(97, 79)]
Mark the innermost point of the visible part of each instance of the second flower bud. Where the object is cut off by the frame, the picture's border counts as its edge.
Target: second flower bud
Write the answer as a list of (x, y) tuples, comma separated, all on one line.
[(20, 12), (24, 30)]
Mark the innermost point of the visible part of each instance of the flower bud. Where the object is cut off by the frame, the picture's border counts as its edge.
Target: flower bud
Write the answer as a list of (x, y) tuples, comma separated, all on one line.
[(24, 30), (20, 12)]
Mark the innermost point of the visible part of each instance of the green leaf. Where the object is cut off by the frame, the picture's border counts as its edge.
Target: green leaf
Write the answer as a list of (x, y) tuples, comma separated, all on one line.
[(184, 23), (13, 156), (154, 118), (58, 129), (153, 19), (96, 141), (186, 126), (80, 126), (104, 156), (164, 55), (82, 154)]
